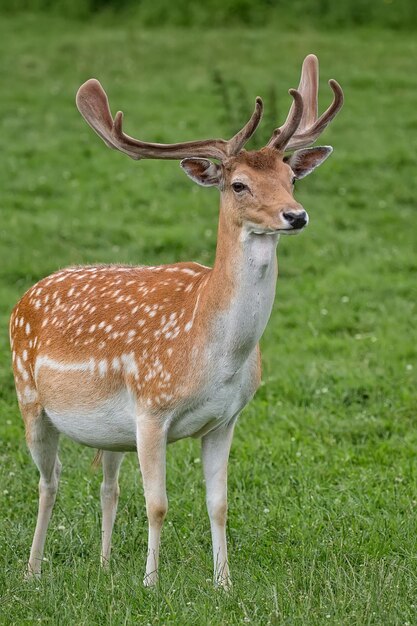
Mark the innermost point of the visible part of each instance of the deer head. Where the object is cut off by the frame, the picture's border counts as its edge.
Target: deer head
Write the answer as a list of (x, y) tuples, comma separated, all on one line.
[(257, 187)]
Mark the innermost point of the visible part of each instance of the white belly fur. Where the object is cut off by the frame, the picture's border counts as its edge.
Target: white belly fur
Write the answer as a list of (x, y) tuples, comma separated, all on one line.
[(112, 424), (109, 426)]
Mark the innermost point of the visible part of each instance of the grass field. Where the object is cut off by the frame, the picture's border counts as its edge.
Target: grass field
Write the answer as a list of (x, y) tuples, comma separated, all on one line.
[(323, 491)]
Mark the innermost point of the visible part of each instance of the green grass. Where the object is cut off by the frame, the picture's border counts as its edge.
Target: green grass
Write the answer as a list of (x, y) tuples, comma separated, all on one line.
[(323, 491)]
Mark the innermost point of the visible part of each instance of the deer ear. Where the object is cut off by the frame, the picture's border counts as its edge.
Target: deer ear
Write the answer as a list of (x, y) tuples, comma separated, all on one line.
[(203, 172), (303, 162)]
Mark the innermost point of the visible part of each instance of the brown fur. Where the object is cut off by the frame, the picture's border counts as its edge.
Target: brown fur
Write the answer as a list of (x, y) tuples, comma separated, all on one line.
[(263, 160), (103, 314)]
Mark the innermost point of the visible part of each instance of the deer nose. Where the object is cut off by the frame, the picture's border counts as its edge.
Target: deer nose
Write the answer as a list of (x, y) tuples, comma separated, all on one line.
[(296, 219)]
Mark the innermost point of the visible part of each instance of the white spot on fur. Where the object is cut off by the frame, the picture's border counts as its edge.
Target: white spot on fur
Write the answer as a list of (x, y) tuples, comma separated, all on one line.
[(116, 364), (186, 270), (29, 395), (129, 363), (21, 369), (130, 336)]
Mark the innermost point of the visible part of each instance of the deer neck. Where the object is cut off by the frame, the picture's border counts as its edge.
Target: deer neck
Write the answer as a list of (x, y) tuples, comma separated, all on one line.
[(241, 287)]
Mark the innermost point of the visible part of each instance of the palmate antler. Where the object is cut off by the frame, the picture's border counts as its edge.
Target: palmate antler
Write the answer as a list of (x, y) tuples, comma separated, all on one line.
[(93, 104), (301, 128)]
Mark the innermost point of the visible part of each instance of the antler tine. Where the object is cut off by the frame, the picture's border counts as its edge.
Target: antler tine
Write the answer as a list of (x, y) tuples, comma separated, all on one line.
[(93, 104), (238, 141), (281, 136), (309, 135), (309, 89), (310, 127)]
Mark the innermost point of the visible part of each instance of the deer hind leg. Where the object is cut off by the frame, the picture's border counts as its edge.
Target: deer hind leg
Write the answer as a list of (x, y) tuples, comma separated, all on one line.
[(42, 438), (109, 493), (151, 446)]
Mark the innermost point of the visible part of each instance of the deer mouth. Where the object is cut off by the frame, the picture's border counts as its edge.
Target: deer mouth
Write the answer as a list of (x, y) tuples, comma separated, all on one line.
[(291, 231), (286, 230)]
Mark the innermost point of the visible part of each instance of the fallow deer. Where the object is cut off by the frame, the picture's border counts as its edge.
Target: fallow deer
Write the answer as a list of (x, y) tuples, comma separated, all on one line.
[(125, 358)]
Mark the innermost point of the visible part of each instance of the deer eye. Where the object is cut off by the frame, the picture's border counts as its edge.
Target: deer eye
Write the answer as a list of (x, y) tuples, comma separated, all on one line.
[(239, 187)]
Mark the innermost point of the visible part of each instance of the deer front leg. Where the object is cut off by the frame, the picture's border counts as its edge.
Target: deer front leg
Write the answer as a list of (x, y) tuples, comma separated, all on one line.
[(215, 454), (151, 446)]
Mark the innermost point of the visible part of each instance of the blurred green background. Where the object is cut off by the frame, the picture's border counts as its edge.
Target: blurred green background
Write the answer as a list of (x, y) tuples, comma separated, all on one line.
[(323, 493), (399, 14)]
